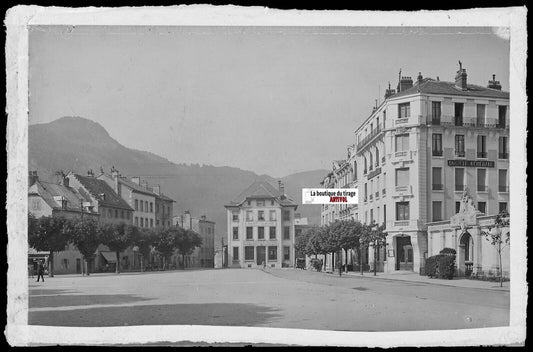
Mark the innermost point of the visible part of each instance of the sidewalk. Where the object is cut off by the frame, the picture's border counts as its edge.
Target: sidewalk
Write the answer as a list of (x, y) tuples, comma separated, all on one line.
[(415, 277)]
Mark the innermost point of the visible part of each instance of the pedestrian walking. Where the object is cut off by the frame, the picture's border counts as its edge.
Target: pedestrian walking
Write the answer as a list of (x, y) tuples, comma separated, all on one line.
[(339, 265), (40, 271)]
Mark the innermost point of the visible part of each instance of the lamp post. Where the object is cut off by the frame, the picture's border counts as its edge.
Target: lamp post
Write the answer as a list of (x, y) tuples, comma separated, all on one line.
[(361, 255)]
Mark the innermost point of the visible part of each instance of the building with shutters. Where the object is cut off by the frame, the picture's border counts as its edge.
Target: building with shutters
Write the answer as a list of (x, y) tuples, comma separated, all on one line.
[(203, 256), (261, 227), (428, 146)]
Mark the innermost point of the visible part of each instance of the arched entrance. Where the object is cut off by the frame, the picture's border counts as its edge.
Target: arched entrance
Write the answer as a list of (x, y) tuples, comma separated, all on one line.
[(404, 256), (466, 254)]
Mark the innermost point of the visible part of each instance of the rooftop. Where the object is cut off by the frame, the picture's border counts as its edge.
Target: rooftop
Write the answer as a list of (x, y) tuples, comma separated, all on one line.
[(431, 86), (100, 190), (261, 190)]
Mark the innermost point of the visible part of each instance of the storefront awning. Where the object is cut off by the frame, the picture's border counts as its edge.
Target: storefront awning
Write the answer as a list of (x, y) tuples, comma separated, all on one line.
[(110, 257)]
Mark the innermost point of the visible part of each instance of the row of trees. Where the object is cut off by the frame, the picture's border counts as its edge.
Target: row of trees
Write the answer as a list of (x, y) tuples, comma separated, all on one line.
[(341, 235), (54, 233)]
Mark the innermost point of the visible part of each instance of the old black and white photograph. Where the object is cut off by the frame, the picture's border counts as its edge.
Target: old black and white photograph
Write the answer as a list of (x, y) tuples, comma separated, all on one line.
[(226, 176)]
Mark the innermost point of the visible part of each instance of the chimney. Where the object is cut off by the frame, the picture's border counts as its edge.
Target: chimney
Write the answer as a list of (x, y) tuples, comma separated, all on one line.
[(460, 77), (405, 83), (64, 180), (90, 173), (32, 178), (419, 78), (136, 180), (389, 92), (203, 217), (494, 84), (156, 189), (282, 190), (116, 176), (144, 184)]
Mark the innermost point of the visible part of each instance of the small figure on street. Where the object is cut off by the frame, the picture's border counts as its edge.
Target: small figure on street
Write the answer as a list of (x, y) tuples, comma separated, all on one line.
[(339, 265), (40, 271), (264, 265)]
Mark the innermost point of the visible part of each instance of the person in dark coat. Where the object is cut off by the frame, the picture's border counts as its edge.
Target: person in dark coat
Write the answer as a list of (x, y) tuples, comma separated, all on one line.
[(40, 271)]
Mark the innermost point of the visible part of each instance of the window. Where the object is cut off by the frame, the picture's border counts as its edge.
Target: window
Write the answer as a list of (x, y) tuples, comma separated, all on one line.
[(235, 253), (272, 215), (457, 207), (384, 213), (437, 211), (249, 215), (146, 206), (249, 233), (402, 142), (402, 211), (365, 169), (260, 203), (480, 116), (502, 206), (151, 207), (404, 110), (384, 117), (249, 253), (142, 222), (157, 223), (437, 179), (286, 215), (261, 215), (235, 233), (502, 111), (272, 232), (261, 233), (371, 216), (286, 253), (366, 192), (481, 180), (151, 222), (502, 181), (460, 145), (272, 253), (249, 202), (64, 263), (459, 114), (481, 146), (157, 208), (141, 205), (436, 144), (377, 215), (136, 221), (482, 207), (116, 213), (122, 214), (377, 157), (109, 213), (435, 112), (136, 204), (402, 177), (503, 152), (459, 179), (128, 214), (235, 216), (371, 160), (286, 233)]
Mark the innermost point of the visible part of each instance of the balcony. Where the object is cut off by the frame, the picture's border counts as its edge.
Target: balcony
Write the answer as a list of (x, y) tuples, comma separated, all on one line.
[(460, 153), (434, 121), (376, 131), (503, 189), (482, 188), (436, 153), (401, 121), (458, 121), (235, 219), (481, 154), (503, 155), (370, 175), (401, 188), (401, 223), (437, 186), (400, 153), (459, 188)]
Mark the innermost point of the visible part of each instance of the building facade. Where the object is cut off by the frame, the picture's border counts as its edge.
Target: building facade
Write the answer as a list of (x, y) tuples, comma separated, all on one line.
[(203, 256), (420, 150), (261, 227)]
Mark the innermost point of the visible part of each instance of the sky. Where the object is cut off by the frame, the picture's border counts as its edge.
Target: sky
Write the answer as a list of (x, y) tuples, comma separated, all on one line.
[(272, 100)]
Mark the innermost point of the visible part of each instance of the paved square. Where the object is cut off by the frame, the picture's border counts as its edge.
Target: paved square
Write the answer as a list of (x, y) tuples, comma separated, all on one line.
[(283, 298)]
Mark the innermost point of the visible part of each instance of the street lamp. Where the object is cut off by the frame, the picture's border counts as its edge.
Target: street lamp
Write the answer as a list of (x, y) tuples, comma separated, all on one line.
[(361, 255)]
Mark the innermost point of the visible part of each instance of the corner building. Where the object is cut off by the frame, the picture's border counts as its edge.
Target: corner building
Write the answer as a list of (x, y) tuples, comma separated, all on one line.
[(427, 145), (261, 227)]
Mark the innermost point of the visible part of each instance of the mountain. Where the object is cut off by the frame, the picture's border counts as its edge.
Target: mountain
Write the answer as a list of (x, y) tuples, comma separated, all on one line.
[(77, 144)]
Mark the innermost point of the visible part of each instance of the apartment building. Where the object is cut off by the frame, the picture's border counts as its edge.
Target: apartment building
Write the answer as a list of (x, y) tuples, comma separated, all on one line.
[(261, 227), (203, 256), (429, 146)]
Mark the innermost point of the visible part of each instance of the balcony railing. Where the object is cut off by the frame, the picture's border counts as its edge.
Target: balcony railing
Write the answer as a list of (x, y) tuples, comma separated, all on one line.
[(437, 186), (436, 153), (402, 120), (503, 189), (459, 187), (481, 188), (458, 120), (402, 188), (235, 218), (368, 138), (400, 153), (460, 153), (481, 154), (503, 155), (434, 120), (401, 223)]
